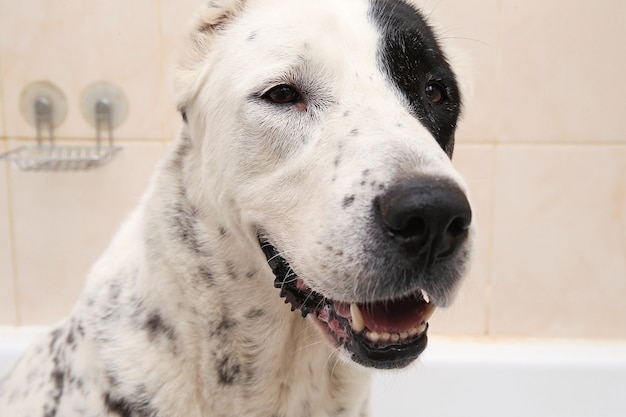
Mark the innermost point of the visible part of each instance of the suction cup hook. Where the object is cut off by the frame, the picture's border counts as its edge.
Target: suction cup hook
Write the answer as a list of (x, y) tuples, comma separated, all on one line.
[(104, 103), (44, 106)]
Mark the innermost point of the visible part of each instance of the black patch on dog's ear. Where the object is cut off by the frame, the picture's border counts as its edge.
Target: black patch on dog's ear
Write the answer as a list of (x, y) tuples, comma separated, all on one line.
[(411, 57)]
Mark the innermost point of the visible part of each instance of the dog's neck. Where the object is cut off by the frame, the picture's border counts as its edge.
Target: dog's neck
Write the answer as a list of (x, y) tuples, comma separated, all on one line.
[(214, 320)]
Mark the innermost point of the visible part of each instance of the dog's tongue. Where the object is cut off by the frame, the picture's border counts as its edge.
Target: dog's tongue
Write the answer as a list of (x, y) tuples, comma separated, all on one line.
[(390, 317)]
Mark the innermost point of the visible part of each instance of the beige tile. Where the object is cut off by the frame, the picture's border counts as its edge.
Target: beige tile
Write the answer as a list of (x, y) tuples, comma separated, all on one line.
[(469, 314), (472, 38), (562, 71), (559, 258), (8, 312), (64, 221), (75, 43)]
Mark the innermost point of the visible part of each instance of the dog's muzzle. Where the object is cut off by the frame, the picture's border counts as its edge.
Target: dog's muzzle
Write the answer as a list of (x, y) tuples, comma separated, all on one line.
[(423, 223)]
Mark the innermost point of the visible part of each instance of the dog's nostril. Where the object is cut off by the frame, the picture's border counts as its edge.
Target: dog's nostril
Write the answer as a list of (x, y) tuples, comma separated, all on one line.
[(428, 217), (412, 228), (458, 226)]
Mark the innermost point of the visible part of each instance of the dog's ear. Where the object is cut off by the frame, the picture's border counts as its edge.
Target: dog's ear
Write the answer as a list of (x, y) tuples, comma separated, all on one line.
[(205, 27)]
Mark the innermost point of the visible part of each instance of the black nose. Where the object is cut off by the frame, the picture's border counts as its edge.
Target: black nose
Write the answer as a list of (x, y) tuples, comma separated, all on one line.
[(428, 217)]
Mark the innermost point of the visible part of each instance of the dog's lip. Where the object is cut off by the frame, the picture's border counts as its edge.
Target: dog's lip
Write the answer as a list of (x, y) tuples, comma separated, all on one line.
[(380, 334)]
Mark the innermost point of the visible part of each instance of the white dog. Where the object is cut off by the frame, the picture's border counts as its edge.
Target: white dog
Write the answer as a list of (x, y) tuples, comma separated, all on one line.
[(313, 165)]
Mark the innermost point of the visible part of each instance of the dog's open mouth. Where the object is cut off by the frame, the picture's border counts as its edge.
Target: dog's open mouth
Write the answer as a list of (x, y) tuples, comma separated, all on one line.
[(385, 334)]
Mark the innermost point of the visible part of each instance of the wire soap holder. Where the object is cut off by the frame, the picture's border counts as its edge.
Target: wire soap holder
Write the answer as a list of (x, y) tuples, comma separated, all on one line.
[(44, 106)]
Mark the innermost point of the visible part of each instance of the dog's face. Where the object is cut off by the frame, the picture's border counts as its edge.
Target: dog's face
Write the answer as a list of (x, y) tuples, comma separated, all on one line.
[(327, 128)]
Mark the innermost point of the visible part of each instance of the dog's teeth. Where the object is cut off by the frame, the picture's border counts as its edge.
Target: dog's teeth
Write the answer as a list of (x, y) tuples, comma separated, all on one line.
[(421, 329), (385, 337), (413, 331), (395, 337), (358, 325), (404, 335), (372, 336), (429, 312), (425, 296)]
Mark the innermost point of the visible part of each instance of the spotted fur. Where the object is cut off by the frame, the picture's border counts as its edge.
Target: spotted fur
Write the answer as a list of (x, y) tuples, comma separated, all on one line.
[(180, 316)]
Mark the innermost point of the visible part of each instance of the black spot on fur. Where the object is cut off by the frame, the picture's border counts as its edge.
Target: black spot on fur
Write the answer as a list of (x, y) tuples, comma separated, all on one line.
[(410, 55), (57, 376), (354, 132), (252, 36), (206, 275), (184, 217), (227, 370), (223, 231), (337, 161), (255, 313), (348, 201), (52, 405), (117, 406), (230, 270), (54, 338), (137, 404), (225, 326), (155, 326), (70, 340)]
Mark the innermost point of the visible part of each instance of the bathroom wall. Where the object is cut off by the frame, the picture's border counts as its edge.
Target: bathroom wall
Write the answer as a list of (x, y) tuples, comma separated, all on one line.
[(541, 145)]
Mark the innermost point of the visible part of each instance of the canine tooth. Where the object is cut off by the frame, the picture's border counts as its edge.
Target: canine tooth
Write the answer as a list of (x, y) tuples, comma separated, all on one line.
[(425, 296), (372, 336), (395, 337), (385, 337), (429, 312), (358, 325)]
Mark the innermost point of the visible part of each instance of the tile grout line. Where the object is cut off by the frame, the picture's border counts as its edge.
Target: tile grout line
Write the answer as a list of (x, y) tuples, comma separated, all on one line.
[(493, 182), (7, 169), (13, 246), (491, 244)]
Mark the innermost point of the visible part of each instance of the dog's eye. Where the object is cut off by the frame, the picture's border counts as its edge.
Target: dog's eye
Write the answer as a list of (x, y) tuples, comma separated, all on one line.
[(435, 93), (282, 94)]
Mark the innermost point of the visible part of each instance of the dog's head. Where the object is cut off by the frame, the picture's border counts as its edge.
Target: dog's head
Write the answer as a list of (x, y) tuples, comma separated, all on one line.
[(327, 129)]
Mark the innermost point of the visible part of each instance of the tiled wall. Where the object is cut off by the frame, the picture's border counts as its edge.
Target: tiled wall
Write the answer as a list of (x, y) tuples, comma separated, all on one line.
[(542, 147)]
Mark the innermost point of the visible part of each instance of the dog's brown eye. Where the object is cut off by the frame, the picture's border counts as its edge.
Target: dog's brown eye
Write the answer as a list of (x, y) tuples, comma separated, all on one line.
[(282, 94), (435, 93)]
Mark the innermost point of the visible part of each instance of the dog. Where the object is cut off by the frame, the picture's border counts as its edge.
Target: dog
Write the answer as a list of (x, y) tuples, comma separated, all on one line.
[(301, 232)]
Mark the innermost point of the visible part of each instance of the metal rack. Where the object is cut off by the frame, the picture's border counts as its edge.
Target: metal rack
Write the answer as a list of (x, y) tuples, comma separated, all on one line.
[(50, 156)]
